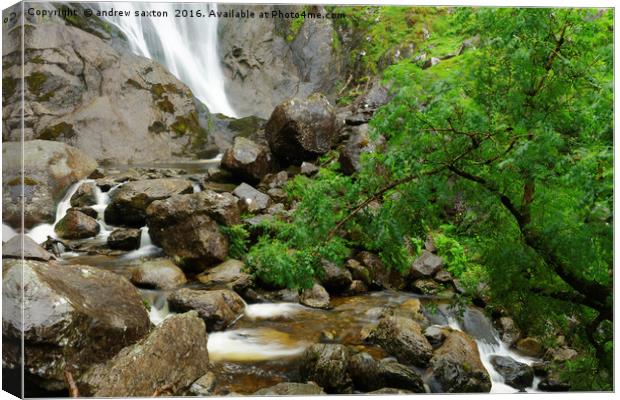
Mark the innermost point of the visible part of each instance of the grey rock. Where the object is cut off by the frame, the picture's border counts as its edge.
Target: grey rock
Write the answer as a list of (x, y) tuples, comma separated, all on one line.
[(124, 239), (85, 195), (334, 278), (76, 225), (402, 338), (158, 273), (31, 250), (218, 308), (327, 365), (516, 374), (230, 274), (248, 160), (253, 199), (316, 297), (425, 266)]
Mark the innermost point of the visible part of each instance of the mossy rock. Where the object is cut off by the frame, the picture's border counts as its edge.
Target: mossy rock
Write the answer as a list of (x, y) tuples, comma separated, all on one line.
[(54, 132), (35, 81), (185, 124), (165, 105), (9, 87)]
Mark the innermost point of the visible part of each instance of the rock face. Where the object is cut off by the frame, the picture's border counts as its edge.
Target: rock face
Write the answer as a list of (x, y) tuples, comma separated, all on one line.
[(456, 366), (172, 357), (124, 239), (49, 169), (327, 365), (218, 308), (248, 160), (159, 273), (129, 202), (77, 225), (516, 374), (75, 316), (291, 389), (301, 129), (402, 338), (30, 249), (369, 375), (265, 65), (186, 226), (230, 274), (83, 92)]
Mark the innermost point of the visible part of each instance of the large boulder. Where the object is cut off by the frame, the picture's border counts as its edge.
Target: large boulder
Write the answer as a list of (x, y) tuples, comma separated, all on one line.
[(230, 274), (172, 357), (159, 273), (49, 169), (188, 226), (129, 202), (113, 105), (515, 374), (369, 374), (334, 278), (23, 246), (327, 365), (248, 160), (218, 308), (456, 366), (402, 338), (301, 129), (73, 316), (76, 225)]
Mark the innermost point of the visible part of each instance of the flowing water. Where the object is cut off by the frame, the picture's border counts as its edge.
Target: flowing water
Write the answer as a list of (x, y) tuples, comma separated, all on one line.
[(187, 47)]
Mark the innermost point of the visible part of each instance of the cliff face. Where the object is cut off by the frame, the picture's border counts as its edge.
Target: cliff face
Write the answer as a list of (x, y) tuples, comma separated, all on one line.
[(270, 60), (113, 105)]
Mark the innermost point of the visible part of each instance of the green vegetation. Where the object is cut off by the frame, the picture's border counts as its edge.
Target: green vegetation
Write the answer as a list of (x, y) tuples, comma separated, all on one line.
[(504, 154)]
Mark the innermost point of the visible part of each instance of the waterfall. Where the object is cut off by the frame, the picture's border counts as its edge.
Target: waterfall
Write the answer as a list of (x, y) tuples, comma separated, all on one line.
[(187, 47)]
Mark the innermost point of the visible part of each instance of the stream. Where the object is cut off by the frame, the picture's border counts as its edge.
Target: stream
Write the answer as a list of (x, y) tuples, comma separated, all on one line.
[(263, 346)]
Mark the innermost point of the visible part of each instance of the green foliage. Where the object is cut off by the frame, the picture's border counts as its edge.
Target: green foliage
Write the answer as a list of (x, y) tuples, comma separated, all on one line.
[(584, 374), (238, 238), (458, 261)]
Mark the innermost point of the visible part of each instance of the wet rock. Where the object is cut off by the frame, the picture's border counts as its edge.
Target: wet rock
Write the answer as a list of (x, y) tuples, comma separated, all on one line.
[(380, 276), (230, 274), (253, 199), (435, 335), (402, 338), (316, 297), (159, 273), (186, 227), (529, 346), (508, 330), (49, 169), (516, 374), (85, 195), (124, 239), (426, 286), (335, 279), (172, 357), (301, 129), (357, 287), (204, 386), (128, 203), (91, 212), (218, 308), (456, 366), (308, 169), (478, 325), (368, 374), (411, 309), (67, 308), (291, 389), (31, 250), (77, 225), (248, 160), (426, 266), (327, 365)]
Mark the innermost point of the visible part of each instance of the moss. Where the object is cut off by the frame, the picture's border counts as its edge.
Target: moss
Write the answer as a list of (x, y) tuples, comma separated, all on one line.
[(158, 90), (47, 96), (54, 132), (37, 60), (9, 87), (134, 83), (35, 81), (165, 105), (185, 124), (157, 127), (27, 181)]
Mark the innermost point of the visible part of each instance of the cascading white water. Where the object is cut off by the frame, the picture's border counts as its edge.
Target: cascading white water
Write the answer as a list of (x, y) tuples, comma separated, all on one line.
[(187, 47)]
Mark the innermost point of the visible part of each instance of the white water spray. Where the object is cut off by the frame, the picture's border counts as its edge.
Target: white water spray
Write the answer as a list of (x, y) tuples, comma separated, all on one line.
[(187, 47)]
